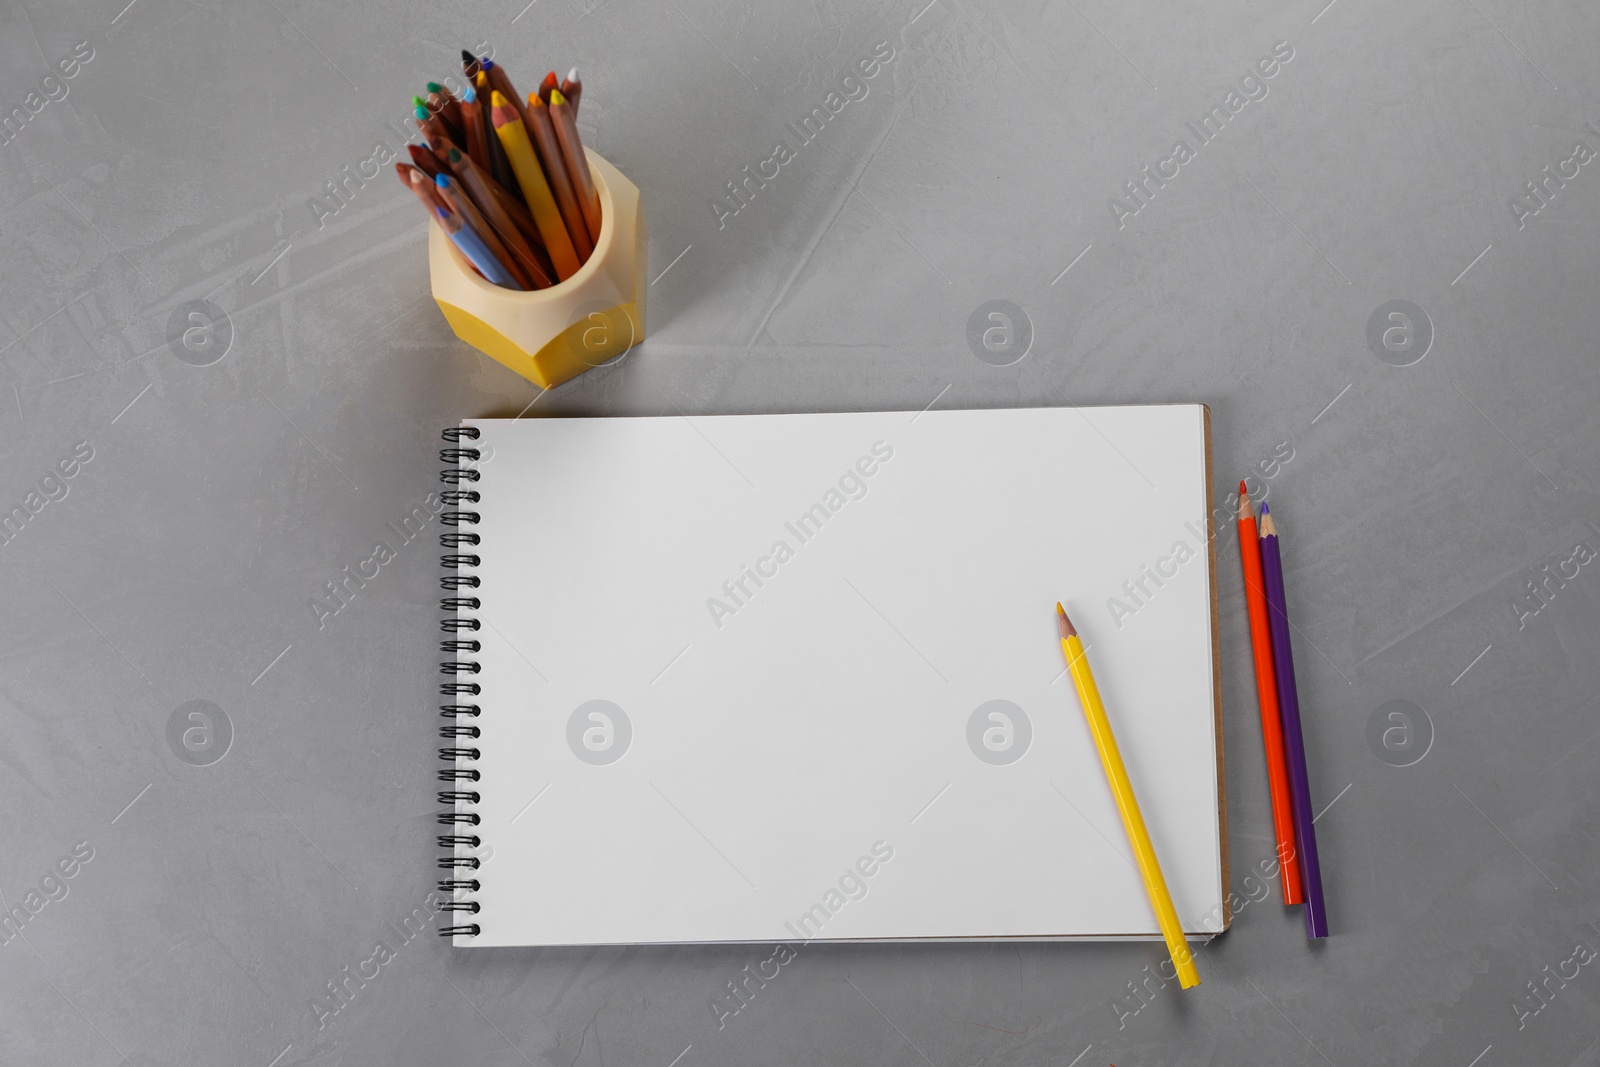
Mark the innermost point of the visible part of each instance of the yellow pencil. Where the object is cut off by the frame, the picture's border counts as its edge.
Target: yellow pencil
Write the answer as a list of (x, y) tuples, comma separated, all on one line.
[(1127, 803), (535, 190)]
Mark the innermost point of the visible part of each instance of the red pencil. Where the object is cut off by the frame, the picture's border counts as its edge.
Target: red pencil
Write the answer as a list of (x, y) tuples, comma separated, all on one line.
[(1255, 599), (425, 160)]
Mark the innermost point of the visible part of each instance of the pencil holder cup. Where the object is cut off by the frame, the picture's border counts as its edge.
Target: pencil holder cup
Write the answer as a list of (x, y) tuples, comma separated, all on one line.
[(552, 335)]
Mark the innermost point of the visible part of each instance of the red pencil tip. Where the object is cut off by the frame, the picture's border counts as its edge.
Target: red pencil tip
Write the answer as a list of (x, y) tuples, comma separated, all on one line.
[(1242, 489)]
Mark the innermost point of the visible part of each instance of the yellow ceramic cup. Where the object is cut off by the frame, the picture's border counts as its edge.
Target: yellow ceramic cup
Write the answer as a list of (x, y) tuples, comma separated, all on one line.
[(555, 334)]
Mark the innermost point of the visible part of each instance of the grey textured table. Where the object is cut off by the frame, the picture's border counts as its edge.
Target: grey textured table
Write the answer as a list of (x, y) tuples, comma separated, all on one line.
[(177, 490)]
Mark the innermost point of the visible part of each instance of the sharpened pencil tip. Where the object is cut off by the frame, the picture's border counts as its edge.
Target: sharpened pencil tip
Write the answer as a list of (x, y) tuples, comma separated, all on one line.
[(1063, 623), (556, 97), (572, 75), (468, 57)]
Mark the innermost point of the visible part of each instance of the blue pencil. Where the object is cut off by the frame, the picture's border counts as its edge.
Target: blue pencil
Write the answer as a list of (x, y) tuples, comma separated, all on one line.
[(1294, 742), (472, 246)]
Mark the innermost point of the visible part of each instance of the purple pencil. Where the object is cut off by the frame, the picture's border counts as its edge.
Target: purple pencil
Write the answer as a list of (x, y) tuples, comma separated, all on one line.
[(1293, 737)]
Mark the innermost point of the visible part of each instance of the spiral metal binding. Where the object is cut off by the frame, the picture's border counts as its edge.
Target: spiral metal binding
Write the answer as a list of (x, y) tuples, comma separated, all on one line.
[(460, 544)]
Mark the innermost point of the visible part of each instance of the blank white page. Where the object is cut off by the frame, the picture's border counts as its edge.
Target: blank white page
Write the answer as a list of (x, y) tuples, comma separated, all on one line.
[(798, 617)]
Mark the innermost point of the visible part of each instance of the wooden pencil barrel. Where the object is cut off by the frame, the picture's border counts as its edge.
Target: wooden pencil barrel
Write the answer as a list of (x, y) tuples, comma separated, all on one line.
[(552, 335)]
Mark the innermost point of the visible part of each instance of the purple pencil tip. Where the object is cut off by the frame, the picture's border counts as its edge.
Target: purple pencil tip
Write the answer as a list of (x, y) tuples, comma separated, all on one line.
[(1264, 509)]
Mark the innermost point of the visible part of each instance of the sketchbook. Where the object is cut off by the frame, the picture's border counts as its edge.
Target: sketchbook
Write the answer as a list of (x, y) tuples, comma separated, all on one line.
[(787, 678)]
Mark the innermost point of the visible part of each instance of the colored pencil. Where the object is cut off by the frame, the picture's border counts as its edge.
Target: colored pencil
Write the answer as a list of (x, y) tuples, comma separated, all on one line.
[(475, 145), (572, 89), (513, 137), (441, 148), (1127, 803), (423, 186), (548, 147), (548, 86), (424, 160), (470, 66), (494, 205), (462, 205), (428, 193), (452, 106), (577, 163), (500, 82), (462, 166), (431, 125), (434, 106), (1255, 599), (405, 170), (473, 248), (450, 114), (499, 164), (1293, 735)]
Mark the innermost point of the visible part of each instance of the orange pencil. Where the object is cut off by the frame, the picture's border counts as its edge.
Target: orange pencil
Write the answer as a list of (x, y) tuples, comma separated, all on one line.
[(548, 86), (1255, 599), (555, 169), (513, 137), (577, 163)]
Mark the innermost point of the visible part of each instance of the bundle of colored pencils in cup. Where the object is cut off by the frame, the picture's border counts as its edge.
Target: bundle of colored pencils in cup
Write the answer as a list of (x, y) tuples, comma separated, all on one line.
[(506, 178)]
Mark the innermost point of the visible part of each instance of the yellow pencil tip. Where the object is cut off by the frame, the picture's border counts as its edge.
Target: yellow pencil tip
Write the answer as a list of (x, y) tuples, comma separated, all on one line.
[(1064, 624), (497, 99), (556, 97)]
